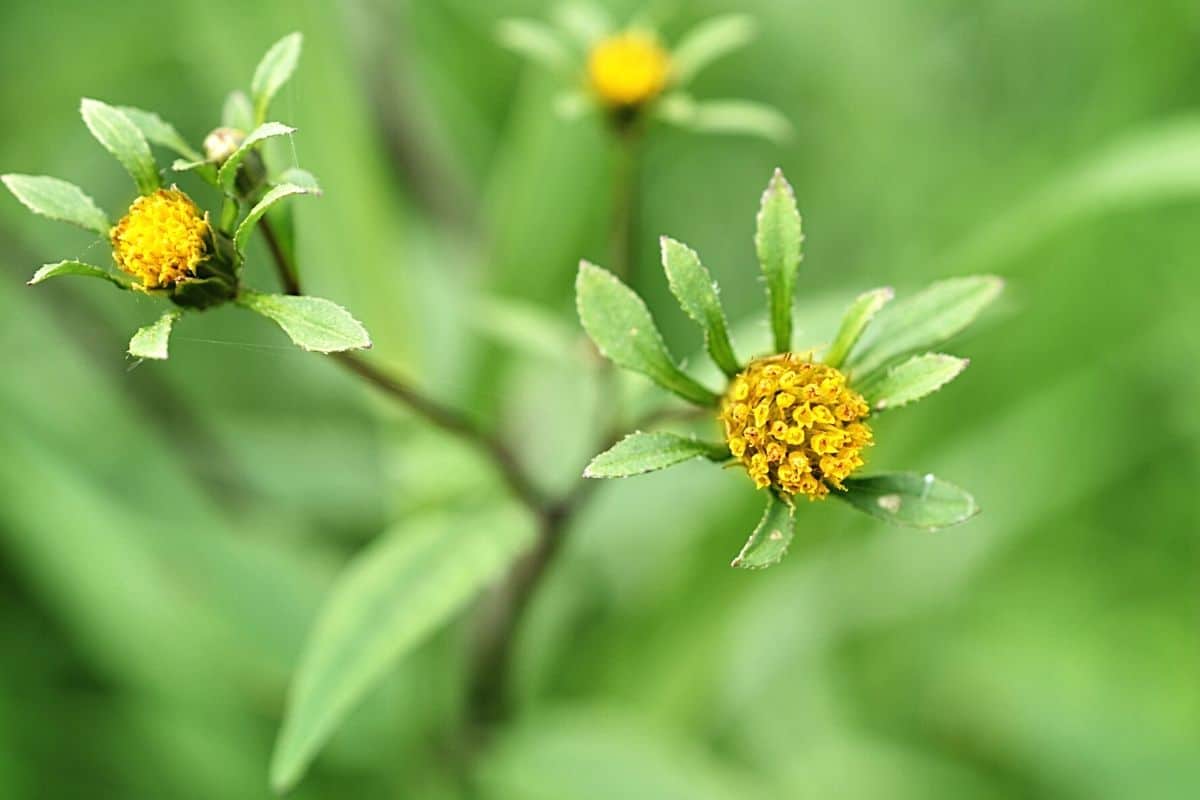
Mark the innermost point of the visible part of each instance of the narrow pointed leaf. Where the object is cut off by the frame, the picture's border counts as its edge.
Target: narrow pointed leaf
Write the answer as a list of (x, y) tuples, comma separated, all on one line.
[(734, 117), (160, 132), (121, 137), (645, 452), (620, 325), (697, 294), (777, 241), (59, 200), (61, 268), (709, 41), (910, 499), (391, 597), (242, 237), (911, 380), (769, 542), (227, 175), (273, 72), (583, 21), (536, 41), (923, 321), (855, 321), (151, 341), (313, 323)]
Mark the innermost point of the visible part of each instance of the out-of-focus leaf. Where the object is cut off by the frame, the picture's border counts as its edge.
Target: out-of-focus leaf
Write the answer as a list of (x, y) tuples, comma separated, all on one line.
[(313, 323), (589, 755), (697, 294), (857, 318), (586, 22), (388, 600), (242, 237), (528, 329), (725, 116), (536, 41), (58, 200), (922, 321), (769, 541), (151, 341), (911, 380), (709, 41), (227, 175), (160, 132), (910, 499), (273, 72), (300, 177), (619, 323), (121, 137), (237, 111), (777, 241), (60, 268), (645, 452)]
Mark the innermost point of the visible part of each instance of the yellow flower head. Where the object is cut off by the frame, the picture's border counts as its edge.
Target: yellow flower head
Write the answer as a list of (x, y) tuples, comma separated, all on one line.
[(628, 69), (795, 425), (161, 240)]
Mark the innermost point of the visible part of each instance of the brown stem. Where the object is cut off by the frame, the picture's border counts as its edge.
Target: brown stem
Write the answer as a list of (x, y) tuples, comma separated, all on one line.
[(288, 276)]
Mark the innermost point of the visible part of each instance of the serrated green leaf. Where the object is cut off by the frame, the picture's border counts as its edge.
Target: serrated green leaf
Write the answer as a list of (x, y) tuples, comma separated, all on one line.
[(769, 541), (620, 325), (777, 241), (237, 112), (922, 321), (709, 41), (911, 380), (910, 499), (392, 596), (856, 319), (273, 72), (160, 132), (242, 237), (151, 341), (60, 268), (300, 177), (58, 200), (121, 137), (641, 452), (313, 323), (697, 294), (227, 174), (536, 41)]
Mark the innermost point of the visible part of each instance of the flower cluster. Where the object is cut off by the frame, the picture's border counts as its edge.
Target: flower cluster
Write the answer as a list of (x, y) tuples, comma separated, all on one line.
[(797, 422), (627, 74), (165, 245), (795, 425)]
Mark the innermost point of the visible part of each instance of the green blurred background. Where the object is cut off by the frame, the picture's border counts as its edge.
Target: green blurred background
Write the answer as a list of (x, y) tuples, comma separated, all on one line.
[(167, 530)]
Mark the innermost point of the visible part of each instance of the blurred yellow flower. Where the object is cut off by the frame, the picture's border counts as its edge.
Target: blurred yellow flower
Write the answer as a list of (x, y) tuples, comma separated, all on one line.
[(161, 240), (628, 69), (795, 425)]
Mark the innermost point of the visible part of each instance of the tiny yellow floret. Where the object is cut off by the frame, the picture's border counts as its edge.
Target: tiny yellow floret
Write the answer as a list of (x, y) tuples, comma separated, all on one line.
[(628, 69), (795, 425), (161, 240)]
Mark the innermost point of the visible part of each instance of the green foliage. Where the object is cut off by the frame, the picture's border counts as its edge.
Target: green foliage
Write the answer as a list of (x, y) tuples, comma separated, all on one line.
[(536, 41), (697, 294), (58, 200), (725, 116), (276, 193), (273, 72), (312, 323), (645, 452), (911, 380), (771, 538), (857, 318), (708, 41), (121, 137), (777, 241), (160, 132), (227, 174), (151, 341), (60, 268), (925, 320), (410, 582), (620, 325), (910, 499)]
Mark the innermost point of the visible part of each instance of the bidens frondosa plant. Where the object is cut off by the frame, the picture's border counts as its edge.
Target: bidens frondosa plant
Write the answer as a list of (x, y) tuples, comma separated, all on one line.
[(166, 246), (798, 421), (628, 74)]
